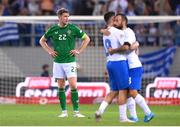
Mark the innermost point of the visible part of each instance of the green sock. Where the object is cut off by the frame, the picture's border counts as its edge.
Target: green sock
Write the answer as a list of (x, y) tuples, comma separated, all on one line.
[(75, 99), (62, 99)]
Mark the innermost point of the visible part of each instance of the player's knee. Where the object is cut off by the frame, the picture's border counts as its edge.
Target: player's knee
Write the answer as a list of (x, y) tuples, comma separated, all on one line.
[(61, 83), (133, 93), (72, 82), (110, 96), (108, 99), (121, 101), (73, 87)]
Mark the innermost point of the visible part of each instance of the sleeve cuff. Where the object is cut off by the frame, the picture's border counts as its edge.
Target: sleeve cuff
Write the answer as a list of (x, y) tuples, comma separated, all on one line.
[(83, 37)]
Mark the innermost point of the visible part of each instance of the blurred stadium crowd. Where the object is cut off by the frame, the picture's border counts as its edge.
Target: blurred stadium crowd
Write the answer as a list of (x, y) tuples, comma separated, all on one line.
[(147, 34), (89, 7)]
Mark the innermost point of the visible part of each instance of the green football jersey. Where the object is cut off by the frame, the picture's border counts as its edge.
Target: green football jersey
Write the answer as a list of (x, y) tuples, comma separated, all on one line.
[(63, 39)]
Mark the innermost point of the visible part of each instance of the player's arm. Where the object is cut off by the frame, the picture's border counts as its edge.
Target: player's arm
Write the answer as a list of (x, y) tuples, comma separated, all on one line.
[(123, 48), (137, 51), (120, 49), (49, 50), (134, 46), (127, 46), (85, 42)]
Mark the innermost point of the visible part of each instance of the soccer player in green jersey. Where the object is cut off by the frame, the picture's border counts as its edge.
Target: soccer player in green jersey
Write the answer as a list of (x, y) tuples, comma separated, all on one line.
[(63, 36)]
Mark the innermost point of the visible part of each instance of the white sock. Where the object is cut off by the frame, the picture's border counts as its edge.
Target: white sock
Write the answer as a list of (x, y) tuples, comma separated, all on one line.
[(122, 112), (142, 103), (64, 111), (102, 107), (131, 105)]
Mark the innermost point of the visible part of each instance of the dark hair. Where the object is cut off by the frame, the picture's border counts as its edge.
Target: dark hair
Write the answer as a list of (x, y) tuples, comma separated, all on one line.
[(45, 66), (108, 15), (61, 11), (124, 17)]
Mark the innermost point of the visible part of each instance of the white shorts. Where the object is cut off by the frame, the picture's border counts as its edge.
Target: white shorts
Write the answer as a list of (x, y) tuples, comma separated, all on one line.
[(62, 70)]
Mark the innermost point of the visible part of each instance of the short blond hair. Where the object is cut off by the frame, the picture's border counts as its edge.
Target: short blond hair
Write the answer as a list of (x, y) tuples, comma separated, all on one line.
[(61, 11)]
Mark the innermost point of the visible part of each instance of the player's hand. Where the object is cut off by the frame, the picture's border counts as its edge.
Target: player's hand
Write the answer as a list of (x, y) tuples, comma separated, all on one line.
[(53, 53), (110, 50), (74, 52)]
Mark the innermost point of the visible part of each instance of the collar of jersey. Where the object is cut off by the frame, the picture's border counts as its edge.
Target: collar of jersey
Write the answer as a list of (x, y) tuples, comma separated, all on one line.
[(63, 27)]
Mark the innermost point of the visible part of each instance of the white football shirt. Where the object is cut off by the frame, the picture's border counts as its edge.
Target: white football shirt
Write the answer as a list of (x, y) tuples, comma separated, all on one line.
[(133, 59)]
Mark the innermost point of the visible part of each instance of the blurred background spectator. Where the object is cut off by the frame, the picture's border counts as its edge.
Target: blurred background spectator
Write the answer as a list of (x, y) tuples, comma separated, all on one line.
[(100, 8), (33, 7), (24, 29), (167, 35), (4, 8), (152, 41), (140, 31), (177, 31), (47, 7), (45, 70)]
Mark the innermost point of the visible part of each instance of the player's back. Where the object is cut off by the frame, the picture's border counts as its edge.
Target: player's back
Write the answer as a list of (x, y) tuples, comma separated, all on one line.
[(133, 59), (114, 40), (117, 66)]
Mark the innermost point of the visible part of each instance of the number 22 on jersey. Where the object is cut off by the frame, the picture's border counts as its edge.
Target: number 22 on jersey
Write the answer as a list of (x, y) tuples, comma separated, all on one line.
[(62, 37)]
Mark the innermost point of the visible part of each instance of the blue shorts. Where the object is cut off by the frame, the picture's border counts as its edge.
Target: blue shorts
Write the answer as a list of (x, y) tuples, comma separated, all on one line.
[(118, 75), (135, 75)]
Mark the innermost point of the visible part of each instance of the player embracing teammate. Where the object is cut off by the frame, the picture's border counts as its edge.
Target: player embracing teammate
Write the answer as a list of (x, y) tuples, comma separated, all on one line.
[(129, 47)]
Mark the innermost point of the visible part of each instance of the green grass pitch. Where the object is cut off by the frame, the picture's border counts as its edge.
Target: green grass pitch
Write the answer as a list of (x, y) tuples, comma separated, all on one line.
[(46, 115)]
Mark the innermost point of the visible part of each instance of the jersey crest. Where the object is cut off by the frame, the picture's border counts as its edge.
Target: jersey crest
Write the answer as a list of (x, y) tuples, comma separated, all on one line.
[(69, 32)]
